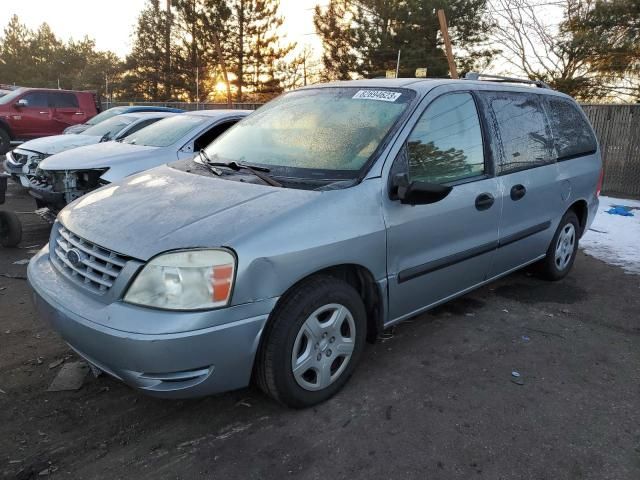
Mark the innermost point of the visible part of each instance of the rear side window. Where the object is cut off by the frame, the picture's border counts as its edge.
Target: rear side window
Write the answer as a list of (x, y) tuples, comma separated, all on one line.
[(521, 136), (37, 99), (64, 100), (446, 143), (571, 132)]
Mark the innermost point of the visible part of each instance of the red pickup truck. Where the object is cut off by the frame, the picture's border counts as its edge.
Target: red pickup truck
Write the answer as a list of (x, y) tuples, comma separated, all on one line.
[(28, 113)]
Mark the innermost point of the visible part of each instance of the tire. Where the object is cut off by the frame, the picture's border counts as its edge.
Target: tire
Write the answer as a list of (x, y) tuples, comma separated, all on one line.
[(10, 229), (5, 141), (565, 243), (303, 320)]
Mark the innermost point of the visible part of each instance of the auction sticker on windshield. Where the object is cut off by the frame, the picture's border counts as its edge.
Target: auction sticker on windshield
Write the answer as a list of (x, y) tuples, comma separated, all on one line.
[(382, 95)]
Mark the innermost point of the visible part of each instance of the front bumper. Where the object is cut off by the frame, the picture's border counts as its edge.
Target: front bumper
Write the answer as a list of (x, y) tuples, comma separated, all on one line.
[(15, 170), (180, 364), (45, 195)]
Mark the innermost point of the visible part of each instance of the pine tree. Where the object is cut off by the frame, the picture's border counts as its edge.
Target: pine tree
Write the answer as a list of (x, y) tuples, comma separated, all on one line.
[(148, 75), (13, 46), (256, 48), (197, 61), (362, 38)]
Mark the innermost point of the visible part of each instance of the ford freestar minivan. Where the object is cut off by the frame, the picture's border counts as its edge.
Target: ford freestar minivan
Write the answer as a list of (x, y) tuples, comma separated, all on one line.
[(328, 215)]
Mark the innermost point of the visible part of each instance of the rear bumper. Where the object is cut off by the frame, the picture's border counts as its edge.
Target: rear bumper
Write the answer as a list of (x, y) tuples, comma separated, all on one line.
[(172, 365)]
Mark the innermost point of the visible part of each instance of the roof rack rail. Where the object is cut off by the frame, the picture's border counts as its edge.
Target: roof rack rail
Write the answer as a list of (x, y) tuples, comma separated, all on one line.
[(497, 78)]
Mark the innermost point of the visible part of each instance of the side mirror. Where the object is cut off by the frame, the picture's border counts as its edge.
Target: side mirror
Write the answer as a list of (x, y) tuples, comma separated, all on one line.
[(23, 102), (416, 192)]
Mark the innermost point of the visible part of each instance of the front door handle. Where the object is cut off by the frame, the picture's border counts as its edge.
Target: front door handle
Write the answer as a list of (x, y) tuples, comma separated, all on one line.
[(517, 192), (484, 201)]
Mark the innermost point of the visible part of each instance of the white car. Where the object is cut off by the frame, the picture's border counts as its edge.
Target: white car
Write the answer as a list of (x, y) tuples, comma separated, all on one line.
[(23, 161), (66, 176)]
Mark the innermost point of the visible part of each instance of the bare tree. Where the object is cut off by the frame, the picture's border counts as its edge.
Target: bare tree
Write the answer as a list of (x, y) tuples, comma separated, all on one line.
[(568, 55)]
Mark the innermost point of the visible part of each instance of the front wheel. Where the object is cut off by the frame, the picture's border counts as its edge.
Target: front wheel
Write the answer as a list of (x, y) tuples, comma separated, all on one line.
[(563, 248), (313, 342)]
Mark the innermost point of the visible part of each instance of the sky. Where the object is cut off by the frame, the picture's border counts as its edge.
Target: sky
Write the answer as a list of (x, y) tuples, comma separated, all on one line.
[(111, 23)]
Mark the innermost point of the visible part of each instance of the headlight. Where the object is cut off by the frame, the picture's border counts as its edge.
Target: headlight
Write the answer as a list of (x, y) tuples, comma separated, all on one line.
[(187, 280)]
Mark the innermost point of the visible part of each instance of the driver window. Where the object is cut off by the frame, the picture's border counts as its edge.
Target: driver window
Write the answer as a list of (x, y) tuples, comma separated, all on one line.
[(210, 135), (446, 143)]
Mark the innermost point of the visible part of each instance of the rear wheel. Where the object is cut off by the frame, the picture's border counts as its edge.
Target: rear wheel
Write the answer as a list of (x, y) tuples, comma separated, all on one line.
[(5, 142), (10, 229), (563, 248), (313, 342)]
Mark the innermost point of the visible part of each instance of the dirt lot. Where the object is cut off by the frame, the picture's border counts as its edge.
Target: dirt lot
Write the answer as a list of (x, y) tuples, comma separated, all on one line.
[(435, 399)]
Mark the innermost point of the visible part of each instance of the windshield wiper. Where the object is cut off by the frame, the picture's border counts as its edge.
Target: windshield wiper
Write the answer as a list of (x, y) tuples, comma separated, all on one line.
[(206, 161), (236, 167)]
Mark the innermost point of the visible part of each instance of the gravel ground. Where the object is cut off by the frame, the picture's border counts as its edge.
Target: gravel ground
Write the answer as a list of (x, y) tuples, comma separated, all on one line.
[(434, 399)]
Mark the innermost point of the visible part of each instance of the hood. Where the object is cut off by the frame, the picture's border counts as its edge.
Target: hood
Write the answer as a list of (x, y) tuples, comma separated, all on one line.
[(165, 209), (101, 155), (58, 143)]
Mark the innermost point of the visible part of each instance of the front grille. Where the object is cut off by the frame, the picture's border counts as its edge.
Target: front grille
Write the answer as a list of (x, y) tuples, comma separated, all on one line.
[(90, 265)]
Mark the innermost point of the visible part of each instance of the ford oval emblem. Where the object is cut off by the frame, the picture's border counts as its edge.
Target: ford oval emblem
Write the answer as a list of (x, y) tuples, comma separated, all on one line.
[(75, 257)]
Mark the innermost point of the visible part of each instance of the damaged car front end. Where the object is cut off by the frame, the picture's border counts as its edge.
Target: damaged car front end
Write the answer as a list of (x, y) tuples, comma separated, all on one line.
[(54, 189), (22, 165)]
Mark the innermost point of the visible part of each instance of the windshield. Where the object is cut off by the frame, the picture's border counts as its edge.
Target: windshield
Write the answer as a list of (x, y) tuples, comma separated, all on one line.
[(10, 97), (166, 131), (328, 129), (109, 127), (106, 115)]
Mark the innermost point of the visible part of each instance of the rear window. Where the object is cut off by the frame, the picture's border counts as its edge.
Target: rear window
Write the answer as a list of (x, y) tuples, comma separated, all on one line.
[(107, 114), (109, 127), (167, 131), (571, 131), (64, 100), (521, 136)]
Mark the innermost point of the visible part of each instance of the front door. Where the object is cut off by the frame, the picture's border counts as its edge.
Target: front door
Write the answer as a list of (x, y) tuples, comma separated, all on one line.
[(34, 119), (527, 175), (438, 250)]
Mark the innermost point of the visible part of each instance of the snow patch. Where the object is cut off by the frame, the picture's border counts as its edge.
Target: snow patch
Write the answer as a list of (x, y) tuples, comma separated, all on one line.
[(613, 238)]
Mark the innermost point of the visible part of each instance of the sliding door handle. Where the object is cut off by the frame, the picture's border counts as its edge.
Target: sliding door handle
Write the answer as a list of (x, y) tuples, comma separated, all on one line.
[(484, 201), (517, 192)]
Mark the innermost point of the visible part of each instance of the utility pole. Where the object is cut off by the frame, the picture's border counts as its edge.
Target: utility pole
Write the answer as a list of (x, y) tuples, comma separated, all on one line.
[(398, 64), (442, 18), (167, 53)]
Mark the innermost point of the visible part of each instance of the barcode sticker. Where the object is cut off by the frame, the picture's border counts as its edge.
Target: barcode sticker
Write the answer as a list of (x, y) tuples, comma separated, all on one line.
[(381, 95)]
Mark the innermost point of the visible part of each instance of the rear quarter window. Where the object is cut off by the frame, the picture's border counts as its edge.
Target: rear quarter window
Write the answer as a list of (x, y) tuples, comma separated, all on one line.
[(520, 132), (64, 100), (571, 131)]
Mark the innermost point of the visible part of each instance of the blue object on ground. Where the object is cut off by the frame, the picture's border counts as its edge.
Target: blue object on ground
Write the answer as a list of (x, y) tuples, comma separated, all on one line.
[(618, 210)]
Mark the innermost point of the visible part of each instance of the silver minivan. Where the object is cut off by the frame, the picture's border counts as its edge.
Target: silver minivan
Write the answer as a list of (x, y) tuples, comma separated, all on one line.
[(330, 214)]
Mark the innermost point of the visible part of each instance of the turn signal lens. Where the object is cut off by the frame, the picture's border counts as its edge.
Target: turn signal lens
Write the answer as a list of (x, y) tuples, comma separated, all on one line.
[(221, 281)]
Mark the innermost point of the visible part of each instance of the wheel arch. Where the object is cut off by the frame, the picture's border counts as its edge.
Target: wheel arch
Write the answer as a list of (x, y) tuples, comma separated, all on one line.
[(581, 209), (363, 281)]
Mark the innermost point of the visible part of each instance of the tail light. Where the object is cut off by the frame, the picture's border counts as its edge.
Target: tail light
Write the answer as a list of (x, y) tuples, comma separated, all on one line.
[(599, 186)]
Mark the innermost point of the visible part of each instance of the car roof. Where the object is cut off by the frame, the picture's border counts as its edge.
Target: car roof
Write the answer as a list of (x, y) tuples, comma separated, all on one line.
[(226, 112), (146, 108), (423, 85), (142, 115)]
